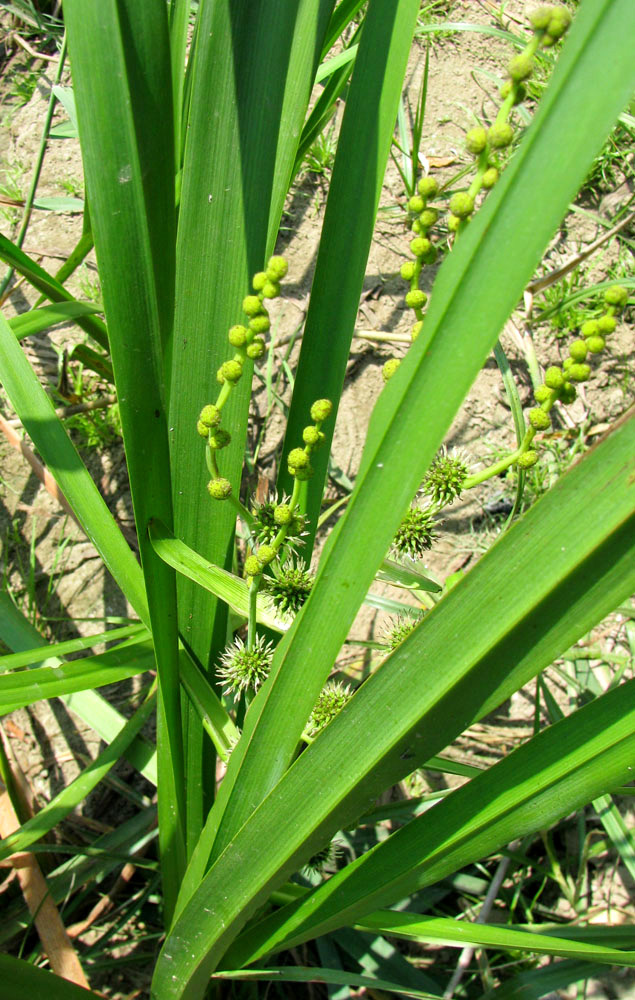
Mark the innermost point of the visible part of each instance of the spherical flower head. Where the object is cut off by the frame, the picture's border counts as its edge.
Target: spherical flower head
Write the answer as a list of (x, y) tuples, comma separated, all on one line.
[(416, 226), (401, 629), (461, 204), (568, 393), (321, 410), (416, 330), (445, 478), (490, 177), (578, 350), (578, 373), (527, 459), (415, 534), (427, 187), (407, 271), (427, 219), (420, 245), (277, 268), (282, 515), (323, 860), (430, 255), (520, 67), (243, 669), (616, 296), (267, 523), (252, 305), (298, 458), (210, 415), (567, 363), (265, 554), (416, 204), (554, 377), (333, 697), (311, 436), (219, 488), (559, 22), (289, 588), (252, 566), (453, 223), (518, 89), (416, 299), (595, 344), (219, 438), (271, 290), (259, 281), (540, 17), (256, 349), (202, 429), (476, 140), (539, 419), (500, 135), (390, 368), (259, 324), (606, 325), (229, 371), (542, 393), (590, 328), (237, 335)]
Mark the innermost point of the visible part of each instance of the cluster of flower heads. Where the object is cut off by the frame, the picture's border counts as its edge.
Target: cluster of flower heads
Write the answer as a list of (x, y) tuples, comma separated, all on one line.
[(248, 343)]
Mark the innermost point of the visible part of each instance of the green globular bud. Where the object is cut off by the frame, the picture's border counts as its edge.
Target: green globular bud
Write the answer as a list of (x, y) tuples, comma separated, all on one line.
[(616, 296), (428, 218), (578, 350), (427, 187), (559, 22), (554, 378), (590, 329), (476, 140), (259, 281), (265, 554), (390, 368), (219, 488), (566, 364), (277, 268), (237, 336), (229, 371), (219, 438), (420, 245), (430, 255), (271, 290), (548, 40), (311, 436), (202, 429), (607, 325), (595, 344), (298, 458), (490, 177), (518, 89), (252, 566), (260, 324), (416, 204), (453, 223), (461, 204), (416, 330), (568, 393), (500, 135), (302, 474), (416, 226), (542, 393), (578, 373), (520, 67), (407, 271), (539, 419), (416, 299), (256, 349), (252, 305), (210, 415), (321, 410), (540, 17), (282, 515), (527, 459)]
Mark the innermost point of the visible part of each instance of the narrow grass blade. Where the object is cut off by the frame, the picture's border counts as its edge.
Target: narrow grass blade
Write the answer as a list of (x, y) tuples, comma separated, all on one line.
[(336, 977), (70, 797), (476, 288), (36, 320), (29, 657)]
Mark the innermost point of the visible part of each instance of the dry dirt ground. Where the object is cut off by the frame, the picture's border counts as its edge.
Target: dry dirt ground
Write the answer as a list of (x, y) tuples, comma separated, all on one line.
[(55, 574)]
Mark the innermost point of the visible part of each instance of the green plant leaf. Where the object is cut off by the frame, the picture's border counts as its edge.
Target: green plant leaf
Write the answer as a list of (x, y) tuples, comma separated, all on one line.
[(25, 980), (36, 320), (298, 974)]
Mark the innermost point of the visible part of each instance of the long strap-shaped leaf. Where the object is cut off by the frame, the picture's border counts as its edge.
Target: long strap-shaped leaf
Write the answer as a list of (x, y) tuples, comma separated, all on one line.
[(475, 290), (435, 684), (120, 58), (561, 769)]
